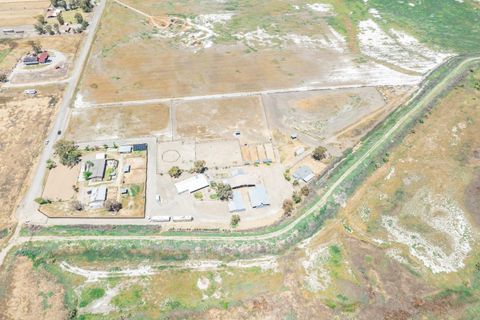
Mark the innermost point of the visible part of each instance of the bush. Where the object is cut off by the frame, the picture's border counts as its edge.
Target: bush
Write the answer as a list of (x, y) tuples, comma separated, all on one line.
[(175, 172), (319, 153), (305, 191), (77, 205), (287, 207), (51, 164), (199, 166), (235, 220), (113, 205), (296, 197), (41, 201)]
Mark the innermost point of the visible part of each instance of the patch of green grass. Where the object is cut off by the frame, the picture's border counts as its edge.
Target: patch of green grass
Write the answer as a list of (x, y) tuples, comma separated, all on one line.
[(132, 297), (45, 296), (90, 294), (3, 233), (335, 255), (4, 53), (134, 190)]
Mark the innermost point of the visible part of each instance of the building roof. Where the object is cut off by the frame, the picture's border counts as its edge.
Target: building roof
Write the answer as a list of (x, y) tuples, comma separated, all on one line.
[(304, 173), (242, 180), (140, 147), (30, 60), (98, 194), (126, 168), (192, 184), (125, 149), (258, 197), (97, 168), (42, 57), (101, 155), (236, 203)]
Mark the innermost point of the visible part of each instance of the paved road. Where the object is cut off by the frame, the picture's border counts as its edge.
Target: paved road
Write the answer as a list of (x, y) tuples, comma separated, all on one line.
[(35, 189)]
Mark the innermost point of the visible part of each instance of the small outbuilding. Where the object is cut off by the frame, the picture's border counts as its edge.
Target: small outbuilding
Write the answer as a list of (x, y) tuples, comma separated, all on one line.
[(140, 147), (98, 196), (193, 184), (258, 197), (125, 149), (304, 173), (126, 168), (30, 60)]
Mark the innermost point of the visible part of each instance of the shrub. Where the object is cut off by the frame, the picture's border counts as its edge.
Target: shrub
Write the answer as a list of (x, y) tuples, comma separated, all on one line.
[(235, 220), (296, 197), (287, 207), (319, 153), (175, 172), (113, 205), (305, 191)]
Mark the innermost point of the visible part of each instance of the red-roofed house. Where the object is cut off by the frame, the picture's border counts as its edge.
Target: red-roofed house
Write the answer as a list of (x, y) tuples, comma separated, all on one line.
[(43, 57)]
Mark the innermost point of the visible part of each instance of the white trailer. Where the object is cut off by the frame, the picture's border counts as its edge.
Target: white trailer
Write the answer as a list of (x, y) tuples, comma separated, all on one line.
[(182, 219), (159, 219)]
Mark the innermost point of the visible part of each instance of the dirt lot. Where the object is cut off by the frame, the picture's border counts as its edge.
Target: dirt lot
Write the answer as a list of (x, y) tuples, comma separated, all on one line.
[(58, 180), (21, 12), (118, 122), (24, 124), (219, 119)]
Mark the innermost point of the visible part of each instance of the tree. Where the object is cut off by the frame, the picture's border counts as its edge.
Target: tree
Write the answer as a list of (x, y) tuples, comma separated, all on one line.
[(305, 191), (287, 207), (62, 4), (87, 174), (224, 191), (296, 197), (41, 19), (36, 47), (175, 172), (84, 24), (60, 19), (86, 5), (78, 16), (199, 166), (51, 164), (113, 205), (3, 77), (57, 28), (319, 153), (39, 28), (68, 153), (49, 30), (235, 220), (73, 4), (77, 205)]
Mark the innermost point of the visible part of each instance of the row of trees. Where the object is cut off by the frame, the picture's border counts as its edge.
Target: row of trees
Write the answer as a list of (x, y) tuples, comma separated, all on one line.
[(199, 166), (85, 5)]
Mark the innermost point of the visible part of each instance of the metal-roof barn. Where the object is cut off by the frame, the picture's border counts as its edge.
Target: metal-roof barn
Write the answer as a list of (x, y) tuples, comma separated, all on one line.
[(304, 173), (236, 203), (98, 194), (192, 184), (258, 197)]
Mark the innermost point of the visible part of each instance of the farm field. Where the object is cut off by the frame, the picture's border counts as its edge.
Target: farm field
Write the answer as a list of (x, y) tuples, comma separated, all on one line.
[(24, 121), (405, 246), (21, 12), (236, 50)]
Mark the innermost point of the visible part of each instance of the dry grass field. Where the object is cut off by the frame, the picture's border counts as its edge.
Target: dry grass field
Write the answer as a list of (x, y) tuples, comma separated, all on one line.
[(118, 122), (21, 12), (235, 55), (219, 119), (24, 124)]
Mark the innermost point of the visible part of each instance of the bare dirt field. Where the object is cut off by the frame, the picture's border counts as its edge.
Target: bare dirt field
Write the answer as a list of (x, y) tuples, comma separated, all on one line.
[(240, 57), (118, 122), (219, 119), (24, 124), (21, 12), (58, 180)]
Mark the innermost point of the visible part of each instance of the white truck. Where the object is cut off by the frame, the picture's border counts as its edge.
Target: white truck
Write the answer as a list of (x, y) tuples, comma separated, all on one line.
[(159, 219)]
